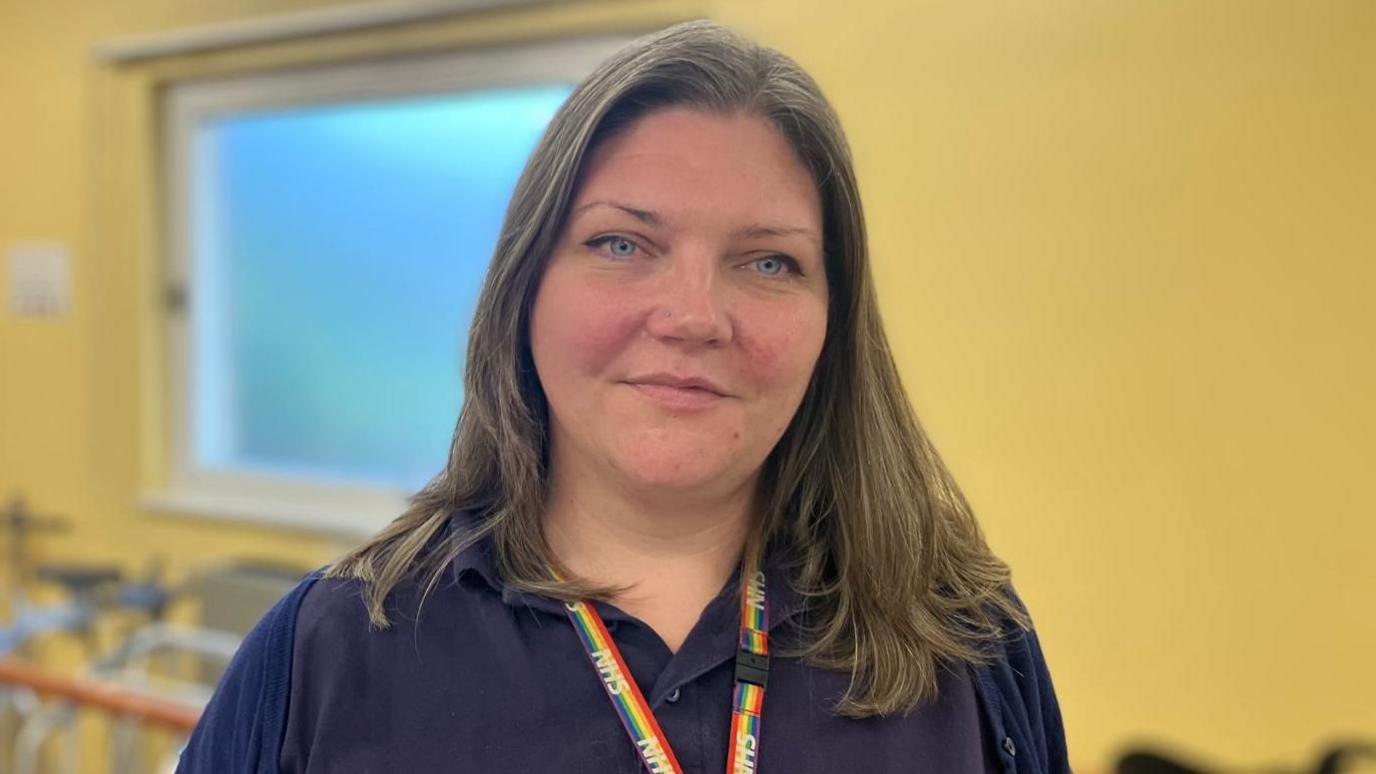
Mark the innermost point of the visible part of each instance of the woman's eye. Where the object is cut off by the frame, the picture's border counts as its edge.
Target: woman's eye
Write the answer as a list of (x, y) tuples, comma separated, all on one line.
[(619, 247), (775, 265)]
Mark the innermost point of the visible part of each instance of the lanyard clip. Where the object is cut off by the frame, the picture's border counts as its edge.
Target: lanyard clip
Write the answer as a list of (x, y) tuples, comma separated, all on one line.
[(752, 667)]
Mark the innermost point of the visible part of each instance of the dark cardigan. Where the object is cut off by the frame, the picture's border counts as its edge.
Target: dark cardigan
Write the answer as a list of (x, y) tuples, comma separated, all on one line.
[(243, 727)]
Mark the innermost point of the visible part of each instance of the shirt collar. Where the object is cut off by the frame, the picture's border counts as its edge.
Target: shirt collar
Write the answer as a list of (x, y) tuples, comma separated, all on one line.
[(477, 561)]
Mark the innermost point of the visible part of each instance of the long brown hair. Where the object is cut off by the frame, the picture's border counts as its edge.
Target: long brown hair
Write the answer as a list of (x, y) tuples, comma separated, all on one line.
[(898, 577)]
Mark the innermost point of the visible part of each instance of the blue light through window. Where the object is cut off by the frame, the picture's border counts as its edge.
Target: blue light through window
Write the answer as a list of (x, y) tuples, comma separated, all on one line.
[(338, 254)]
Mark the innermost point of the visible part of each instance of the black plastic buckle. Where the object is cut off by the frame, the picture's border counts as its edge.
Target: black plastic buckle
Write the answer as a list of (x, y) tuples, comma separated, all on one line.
[(752, 667)]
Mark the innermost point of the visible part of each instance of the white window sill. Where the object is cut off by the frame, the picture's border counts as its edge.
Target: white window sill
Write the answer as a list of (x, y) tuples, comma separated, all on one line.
[(348, 515)]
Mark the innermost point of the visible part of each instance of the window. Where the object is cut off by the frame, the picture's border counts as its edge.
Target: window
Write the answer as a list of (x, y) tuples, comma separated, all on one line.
[(328, 231)]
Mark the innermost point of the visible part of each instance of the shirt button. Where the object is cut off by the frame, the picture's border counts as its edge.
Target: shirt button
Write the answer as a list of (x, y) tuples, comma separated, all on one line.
[(672, 697), (1009, 747)]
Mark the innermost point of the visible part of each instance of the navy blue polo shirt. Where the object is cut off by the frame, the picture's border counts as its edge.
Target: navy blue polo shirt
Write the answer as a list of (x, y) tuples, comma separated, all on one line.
[(489, 679)]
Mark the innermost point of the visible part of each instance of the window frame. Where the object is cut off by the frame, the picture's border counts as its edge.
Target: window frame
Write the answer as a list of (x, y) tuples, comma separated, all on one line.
[(331, 506)]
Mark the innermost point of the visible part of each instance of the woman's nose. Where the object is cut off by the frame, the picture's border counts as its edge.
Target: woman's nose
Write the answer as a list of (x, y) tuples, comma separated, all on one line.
[(690, 307)]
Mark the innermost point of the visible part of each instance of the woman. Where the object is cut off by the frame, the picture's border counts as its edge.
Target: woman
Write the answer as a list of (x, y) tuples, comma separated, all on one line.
[(686, 479)]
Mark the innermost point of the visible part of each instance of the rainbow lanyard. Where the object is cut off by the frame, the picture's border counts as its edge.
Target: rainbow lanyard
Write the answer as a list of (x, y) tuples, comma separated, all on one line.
[(752, 671)]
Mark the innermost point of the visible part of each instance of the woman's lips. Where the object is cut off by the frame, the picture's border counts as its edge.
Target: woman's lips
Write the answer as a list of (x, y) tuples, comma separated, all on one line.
[(678, 398)]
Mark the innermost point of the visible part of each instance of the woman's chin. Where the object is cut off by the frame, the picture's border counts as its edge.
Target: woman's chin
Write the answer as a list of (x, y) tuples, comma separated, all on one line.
[(675, 472), (676, 480)]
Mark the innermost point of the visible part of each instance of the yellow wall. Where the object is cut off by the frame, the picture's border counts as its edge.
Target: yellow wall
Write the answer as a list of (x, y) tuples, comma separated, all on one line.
[(1125, 251)]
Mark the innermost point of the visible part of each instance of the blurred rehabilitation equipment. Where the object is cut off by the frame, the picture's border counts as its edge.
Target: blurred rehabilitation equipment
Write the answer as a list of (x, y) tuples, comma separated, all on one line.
[(156, 678), (1354, 757)]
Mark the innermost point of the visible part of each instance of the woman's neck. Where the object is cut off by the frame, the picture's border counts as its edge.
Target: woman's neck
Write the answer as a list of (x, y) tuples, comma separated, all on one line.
[(624, 542), (670, 556)]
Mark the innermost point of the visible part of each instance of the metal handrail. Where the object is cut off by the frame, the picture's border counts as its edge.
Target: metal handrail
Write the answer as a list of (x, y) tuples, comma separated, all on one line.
[(99, 694)]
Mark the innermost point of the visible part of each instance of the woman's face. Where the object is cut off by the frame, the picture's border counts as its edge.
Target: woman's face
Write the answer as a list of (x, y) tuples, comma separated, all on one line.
[(684, 306)]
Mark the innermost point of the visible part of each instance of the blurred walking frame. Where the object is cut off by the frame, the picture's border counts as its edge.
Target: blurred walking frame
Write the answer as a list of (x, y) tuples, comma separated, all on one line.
[(155, 679)]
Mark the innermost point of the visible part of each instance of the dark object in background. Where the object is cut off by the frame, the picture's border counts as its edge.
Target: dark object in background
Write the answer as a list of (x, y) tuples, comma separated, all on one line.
[(1144, 762), (1337, 759), (1340, 758)]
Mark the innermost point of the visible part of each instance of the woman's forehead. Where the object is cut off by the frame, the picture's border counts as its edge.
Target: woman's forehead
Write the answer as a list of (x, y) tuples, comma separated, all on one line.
[(679, 163)]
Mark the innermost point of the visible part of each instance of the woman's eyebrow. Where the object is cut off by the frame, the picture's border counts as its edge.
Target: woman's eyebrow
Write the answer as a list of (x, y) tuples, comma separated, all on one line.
[(644, 216), (758, 231)]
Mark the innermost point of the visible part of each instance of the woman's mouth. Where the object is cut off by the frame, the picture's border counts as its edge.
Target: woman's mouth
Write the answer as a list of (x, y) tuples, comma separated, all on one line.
[(678, 394)]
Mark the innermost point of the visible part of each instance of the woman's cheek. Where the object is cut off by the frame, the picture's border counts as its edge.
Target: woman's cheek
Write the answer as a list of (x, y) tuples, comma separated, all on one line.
[(591, 320), (782, 345), (616, 316)]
